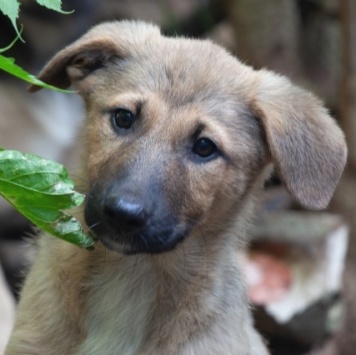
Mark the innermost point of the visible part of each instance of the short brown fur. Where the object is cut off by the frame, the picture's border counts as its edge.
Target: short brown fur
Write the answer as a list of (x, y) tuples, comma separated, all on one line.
[(189, 297)]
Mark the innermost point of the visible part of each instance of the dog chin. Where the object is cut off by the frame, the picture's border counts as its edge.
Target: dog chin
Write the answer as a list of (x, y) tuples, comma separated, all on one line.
[(139, 244)]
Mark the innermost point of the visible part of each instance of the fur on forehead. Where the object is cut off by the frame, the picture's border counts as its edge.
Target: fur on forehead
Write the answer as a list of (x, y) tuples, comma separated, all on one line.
[(123, 33)]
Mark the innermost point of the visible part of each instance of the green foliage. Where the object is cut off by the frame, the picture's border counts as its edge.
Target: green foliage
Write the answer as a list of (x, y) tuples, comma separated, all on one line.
[(55, 5), (8, 65), (40, 189), (11, 9)]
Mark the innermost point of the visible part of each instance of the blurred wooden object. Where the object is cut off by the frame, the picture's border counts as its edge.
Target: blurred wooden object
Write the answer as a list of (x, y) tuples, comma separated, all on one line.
[(348, 87), (267, 33), (344, 202), (300, 39)]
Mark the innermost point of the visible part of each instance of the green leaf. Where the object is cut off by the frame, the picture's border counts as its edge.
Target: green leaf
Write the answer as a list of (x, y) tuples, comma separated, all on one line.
[(55, 5), (11, 9), (8, 65), (40, 189)]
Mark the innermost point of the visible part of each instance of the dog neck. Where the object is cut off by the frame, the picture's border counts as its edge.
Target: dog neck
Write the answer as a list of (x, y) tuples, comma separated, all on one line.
[(151, 301)]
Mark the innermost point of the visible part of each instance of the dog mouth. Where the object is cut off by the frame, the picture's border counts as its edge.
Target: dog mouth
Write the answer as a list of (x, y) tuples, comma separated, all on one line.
[(143, 242)]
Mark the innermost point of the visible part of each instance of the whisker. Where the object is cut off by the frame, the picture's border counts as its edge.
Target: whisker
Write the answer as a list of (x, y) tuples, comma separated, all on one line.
[(94, 225), (133, 269), (144, 240), (184, 260)]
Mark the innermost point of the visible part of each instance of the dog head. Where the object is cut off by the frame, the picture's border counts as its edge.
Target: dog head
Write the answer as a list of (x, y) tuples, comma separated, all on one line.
[(179, 132)]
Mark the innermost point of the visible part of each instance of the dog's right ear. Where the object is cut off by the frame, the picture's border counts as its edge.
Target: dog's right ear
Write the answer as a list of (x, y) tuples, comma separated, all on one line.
[(76, 62), (102, 44)]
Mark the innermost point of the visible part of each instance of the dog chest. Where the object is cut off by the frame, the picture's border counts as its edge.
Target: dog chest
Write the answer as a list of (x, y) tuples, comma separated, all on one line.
[(118, 310)]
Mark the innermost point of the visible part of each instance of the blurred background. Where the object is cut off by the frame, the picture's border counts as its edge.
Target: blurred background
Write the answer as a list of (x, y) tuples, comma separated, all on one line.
[(301, 266)]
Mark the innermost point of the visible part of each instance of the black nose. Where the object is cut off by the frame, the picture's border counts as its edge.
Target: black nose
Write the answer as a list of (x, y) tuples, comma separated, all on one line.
[(125, 215)]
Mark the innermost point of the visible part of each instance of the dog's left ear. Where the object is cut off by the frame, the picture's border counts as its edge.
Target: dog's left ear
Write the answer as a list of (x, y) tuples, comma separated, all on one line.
[(306, 145)]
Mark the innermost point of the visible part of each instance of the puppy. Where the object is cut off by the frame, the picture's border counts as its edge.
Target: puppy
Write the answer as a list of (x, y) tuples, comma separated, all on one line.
[(179, 140)]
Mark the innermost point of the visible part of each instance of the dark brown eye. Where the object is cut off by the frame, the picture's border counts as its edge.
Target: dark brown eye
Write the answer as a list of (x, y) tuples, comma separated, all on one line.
[(204, 147), (122, 118)]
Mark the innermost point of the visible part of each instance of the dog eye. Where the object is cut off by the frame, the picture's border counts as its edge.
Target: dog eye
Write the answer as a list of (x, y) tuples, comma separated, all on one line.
[(204, 147), (122, 118)]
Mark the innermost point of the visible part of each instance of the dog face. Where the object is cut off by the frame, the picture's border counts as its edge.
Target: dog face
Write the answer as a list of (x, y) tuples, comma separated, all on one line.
[(165, 159), (177, 169), (179, 132)]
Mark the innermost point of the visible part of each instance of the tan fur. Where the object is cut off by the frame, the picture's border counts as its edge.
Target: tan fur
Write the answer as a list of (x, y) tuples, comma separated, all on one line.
[(192, 299)]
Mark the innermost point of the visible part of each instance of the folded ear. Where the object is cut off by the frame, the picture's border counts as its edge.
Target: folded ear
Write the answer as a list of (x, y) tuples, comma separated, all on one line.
[(104, 43), (306, 145), (75, 63)]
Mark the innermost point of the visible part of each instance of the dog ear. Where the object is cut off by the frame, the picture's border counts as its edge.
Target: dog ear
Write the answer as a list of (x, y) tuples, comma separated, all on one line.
[(75, 63), (306, 145), (102, 44)]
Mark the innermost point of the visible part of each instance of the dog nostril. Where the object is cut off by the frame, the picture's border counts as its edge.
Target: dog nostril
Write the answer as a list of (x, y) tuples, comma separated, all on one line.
[(125, 215)]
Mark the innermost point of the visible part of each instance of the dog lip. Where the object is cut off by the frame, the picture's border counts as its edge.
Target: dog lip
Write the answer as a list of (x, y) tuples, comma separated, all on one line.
[(130, 244)]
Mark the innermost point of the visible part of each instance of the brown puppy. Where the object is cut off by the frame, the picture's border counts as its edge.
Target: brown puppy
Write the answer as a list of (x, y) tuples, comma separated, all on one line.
[(180, 137)]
